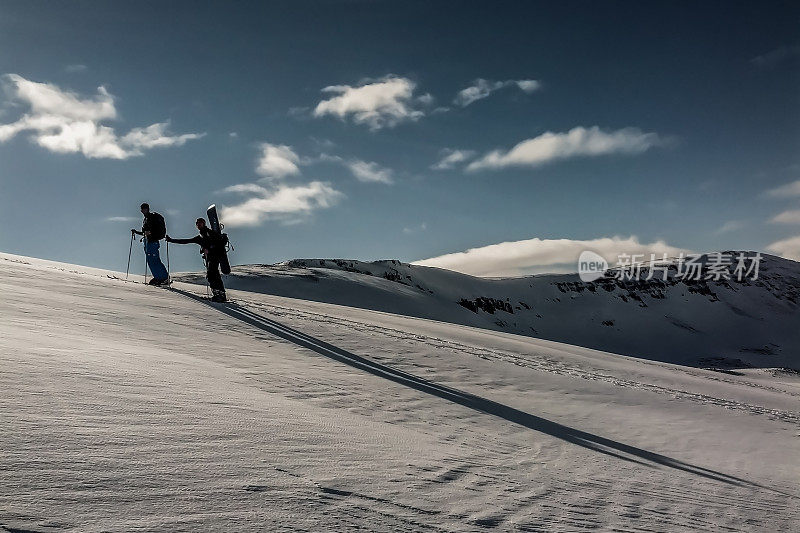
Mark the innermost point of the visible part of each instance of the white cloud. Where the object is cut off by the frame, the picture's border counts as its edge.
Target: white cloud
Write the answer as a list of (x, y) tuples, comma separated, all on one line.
[(121, 219), (155, 136), (788, 248), (368, 171), (426, 99), (482, 88), (414, 229), (63, 122), (451, 158), (282, 202), (479, 90), (790, 189), (380, 103), (532, 256), (46, 99), (365, 171), (88, 138), (245, 188), (730, 225), (277, 161), (578, 142), (792, 216), (273, 198), (528, 86)]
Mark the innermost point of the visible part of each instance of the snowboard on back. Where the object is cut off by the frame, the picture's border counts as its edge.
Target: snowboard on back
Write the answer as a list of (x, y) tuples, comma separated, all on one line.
[(216, 227)]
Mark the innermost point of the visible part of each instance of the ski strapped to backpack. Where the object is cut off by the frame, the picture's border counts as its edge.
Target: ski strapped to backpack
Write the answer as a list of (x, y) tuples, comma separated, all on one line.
[(224, 242)]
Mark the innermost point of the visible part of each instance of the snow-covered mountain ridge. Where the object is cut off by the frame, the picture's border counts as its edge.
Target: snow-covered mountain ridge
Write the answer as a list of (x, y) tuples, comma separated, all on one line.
[(713, 323)]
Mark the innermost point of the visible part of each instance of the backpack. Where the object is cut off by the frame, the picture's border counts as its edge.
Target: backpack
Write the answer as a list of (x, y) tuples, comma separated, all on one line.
[(158, 228)]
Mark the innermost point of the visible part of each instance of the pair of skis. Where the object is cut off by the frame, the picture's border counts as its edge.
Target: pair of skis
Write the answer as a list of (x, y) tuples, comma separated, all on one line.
[(168, 287)]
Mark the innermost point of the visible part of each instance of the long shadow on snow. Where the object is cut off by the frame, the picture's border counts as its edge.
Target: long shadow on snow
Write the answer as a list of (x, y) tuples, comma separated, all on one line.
[(472, 401)]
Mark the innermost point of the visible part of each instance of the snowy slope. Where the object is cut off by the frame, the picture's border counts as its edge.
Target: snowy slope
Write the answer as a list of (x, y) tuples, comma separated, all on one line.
[(132, 408), (712, 324)]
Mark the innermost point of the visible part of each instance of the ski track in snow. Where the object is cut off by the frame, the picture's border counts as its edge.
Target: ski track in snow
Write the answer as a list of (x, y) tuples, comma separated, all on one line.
[(121, 412), (541, 362)]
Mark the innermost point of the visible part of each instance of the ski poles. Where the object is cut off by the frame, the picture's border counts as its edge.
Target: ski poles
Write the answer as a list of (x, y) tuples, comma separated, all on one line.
[(144, 240), (169, 271), (130, 249)]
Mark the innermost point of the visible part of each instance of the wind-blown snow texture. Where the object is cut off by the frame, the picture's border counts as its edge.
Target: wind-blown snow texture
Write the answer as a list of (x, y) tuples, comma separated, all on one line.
[(721, 324), (133, 408)]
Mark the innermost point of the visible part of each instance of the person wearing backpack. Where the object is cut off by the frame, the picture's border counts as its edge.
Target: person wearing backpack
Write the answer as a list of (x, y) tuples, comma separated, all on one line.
[(153, 230), (212, 248)]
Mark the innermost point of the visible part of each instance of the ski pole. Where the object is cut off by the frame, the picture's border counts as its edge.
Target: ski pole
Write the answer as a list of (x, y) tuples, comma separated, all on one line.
[(169, 272), (205, 264), (127, 270), (144, 240)]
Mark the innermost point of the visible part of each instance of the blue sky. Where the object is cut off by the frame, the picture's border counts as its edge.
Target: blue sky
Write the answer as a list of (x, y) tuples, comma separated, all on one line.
[(322, 127)]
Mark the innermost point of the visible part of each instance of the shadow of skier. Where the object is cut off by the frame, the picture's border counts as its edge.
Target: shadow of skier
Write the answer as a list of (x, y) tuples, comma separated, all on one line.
[(472, 401)]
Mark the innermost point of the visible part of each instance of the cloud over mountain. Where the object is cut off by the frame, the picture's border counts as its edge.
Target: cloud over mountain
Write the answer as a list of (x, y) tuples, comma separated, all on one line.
[(531, 256), (788, 248)]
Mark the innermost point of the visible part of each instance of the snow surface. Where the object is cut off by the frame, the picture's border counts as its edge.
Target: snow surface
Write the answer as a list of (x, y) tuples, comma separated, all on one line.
[(710, 324), (132, 408)]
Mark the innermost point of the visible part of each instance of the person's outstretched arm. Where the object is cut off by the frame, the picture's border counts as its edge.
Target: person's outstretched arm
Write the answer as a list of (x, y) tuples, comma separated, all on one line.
[(194, 240)]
